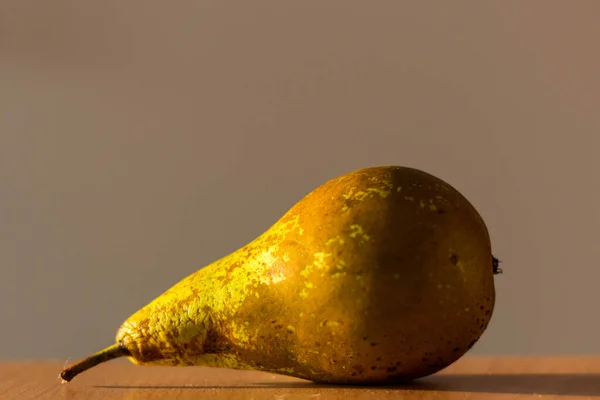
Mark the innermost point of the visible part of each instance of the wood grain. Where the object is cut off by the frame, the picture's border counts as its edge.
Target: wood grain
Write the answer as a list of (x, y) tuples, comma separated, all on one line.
[(469, 378)]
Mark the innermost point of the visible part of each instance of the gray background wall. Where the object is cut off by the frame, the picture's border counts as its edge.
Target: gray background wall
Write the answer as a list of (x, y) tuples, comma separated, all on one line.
[(141, 141)]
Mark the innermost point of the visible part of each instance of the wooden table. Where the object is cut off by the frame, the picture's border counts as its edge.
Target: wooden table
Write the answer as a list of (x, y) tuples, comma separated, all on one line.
[(469, 378)]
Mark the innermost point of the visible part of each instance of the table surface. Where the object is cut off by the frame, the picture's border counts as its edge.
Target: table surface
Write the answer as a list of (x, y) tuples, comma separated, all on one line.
[(469, 378)]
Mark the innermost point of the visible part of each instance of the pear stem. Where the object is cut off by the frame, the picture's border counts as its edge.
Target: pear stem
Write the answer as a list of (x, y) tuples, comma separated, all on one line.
[(109, 353)]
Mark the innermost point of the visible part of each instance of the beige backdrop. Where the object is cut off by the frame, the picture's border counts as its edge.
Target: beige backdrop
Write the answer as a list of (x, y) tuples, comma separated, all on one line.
[(141, 141)]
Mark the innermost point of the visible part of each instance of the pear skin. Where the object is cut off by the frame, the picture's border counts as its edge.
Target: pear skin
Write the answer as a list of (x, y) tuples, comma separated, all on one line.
[(382, 275)]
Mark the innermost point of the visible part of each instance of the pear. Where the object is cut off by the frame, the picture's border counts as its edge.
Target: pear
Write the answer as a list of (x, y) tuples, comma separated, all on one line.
[(382, 275)]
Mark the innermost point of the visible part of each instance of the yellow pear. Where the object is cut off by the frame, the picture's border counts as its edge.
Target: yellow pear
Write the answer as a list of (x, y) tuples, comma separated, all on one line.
[(381, 275)]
